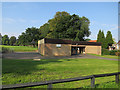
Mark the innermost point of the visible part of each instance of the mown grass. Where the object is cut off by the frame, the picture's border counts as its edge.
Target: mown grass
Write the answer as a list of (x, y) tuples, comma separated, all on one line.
[(24, 71), (110, 84), (105, 56), (20, 48)]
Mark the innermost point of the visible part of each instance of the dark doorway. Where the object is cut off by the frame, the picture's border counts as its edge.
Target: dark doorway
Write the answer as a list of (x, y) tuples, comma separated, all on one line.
[(77, 50)]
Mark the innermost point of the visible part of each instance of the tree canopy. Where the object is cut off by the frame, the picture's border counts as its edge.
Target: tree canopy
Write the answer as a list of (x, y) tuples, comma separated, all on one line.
[(44, 30), (26, 37), (109, 39), (106, 41), (12, 40), (5, 40), (61, 26), (64, 25)]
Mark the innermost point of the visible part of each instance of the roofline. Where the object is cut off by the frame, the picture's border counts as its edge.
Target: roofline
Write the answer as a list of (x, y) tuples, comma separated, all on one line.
[(65, 41)]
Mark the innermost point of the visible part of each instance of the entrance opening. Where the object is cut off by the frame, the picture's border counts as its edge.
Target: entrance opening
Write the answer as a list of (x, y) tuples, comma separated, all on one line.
[(75, 50)]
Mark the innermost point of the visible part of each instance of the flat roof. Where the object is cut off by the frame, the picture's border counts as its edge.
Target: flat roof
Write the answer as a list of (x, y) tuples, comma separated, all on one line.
[(63, 41)]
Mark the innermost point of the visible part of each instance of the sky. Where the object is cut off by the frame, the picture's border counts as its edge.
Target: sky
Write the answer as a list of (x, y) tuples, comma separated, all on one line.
[(18, 16)]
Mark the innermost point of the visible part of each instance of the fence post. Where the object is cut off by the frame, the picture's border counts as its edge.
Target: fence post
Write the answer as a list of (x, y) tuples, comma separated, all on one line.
[(117, 78), (50, 86), (93, 82)]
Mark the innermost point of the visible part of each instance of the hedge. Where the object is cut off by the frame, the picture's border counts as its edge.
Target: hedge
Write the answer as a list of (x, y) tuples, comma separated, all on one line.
[(105, 51)]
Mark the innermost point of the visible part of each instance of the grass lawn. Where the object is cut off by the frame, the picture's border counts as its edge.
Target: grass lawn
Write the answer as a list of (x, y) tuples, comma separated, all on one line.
[(111, 84), (20, 48), (106, 56), (23, 71)]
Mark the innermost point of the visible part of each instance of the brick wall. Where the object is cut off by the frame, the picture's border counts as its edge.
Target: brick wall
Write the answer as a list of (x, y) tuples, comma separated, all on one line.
[(65, 50), (93, 49), (52, 50), (41, 49)]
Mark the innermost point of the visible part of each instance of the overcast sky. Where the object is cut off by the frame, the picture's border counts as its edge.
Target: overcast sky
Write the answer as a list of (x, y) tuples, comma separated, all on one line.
[(16, 17)]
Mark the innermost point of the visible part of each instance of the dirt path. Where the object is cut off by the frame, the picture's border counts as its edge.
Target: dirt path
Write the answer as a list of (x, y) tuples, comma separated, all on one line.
[(35, 55)]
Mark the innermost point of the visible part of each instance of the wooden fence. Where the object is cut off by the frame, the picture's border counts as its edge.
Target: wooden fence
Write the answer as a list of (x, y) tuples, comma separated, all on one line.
[(49, 83)]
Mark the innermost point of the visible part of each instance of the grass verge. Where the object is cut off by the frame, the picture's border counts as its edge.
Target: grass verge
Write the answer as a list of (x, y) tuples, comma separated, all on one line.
[(24, 71), (105, 56), (20, 48)]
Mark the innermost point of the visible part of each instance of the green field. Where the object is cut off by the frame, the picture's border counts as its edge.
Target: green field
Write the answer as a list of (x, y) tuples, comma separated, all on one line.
[(20, 48), (23, 71), (111, 84), (105, 56)]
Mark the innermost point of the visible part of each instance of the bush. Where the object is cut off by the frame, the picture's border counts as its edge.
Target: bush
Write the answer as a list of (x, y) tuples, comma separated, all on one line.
[(112, 52), (5, 50), (105, 51)]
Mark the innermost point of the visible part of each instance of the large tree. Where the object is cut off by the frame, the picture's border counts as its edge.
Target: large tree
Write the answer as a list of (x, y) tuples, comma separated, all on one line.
[(44, 30), (29, 35), (12, 40), (64, 25), (58, 25), (109, 39), (5, 40), (101, 38), (22, 40)]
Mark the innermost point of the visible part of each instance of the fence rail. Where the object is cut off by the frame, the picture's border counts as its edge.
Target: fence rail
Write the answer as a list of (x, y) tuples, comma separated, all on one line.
[(49, 83)]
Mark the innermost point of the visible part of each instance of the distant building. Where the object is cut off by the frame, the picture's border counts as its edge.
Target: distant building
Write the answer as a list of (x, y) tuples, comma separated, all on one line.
[(115, 46), (92, 41), (60, 47), (118, 45)]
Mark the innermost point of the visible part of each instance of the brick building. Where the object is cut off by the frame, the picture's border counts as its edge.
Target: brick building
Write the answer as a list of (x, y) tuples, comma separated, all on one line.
[(60, 47)]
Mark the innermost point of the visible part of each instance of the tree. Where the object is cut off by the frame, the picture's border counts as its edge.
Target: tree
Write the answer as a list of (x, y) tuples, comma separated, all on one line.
[(78, 27), (22, 39), (58, 25), (12, 40), (5, 40), (17, 43), (64, 25), (114, 42), (76, 39), (103, 40), (0, 39), (99, 36), (87, 39), (26, 37), (44, 30), (109, 39)]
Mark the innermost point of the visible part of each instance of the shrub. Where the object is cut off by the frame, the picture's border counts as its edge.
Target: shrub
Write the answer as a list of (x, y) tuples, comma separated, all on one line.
[(112, 52), (5, 50), (105, 51)]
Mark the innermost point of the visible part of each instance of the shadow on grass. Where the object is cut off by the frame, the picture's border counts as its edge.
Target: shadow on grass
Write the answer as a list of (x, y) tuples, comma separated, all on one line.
[(27, 66), (24, 67)]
